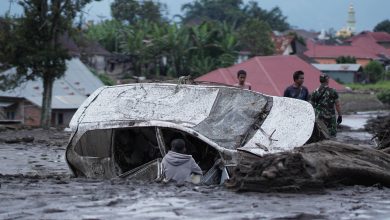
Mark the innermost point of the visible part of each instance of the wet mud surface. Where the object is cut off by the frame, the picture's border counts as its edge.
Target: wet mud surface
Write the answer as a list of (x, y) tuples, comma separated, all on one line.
[(35, 183)]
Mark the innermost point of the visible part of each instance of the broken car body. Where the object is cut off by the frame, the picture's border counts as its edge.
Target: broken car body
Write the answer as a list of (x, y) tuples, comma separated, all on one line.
[(125, 130)]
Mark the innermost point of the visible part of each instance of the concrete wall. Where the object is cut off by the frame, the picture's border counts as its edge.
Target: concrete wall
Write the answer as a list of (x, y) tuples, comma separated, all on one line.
[(32, 114), (62, 117)]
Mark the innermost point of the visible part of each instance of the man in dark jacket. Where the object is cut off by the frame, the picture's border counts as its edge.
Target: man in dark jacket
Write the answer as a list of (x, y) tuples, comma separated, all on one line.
[(297, 90), (177, 165)]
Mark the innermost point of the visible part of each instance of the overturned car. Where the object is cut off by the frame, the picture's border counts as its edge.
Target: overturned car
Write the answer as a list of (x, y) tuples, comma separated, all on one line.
[(125, 130)]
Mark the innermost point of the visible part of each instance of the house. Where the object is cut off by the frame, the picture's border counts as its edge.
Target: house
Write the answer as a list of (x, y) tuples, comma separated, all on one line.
[(95, 56), (345, 73), (381, 38), (23, 104), (288, 43), (365, 47), (269, 74), (327, 54)]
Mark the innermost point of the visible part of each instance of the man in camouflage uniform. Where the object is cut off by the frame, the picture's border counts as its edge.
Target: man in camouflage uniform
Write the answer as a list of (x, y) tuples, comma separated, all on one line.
[(325, 100)]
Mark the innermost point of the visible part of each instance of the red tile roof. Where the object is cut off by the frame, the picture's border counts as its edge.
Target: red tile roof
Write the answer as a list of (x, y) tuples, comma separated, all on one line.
[(269, 74), (364, 45), (381, 36), (327, 51), (370, 45), (377, 36)]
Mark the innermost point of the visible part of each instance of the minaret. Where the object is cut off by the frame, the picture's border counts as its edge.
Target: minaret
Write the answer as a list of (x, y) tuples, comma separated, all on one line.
[(351, 22)]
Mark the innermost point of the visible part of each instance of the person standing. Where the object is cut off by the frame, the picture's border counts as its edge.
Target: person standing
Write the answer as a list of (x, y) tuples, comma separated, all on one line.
[(297, 90), (325, 101), (241, 76), (178, 166)]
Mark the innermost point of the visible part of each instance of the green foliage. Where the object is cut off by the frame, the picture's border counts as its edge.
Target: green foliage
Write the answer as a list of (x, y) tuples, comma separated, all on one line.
[(383, 26), (234, 12), (212, 45), (104, 78), (274, 18), (158, 49), (213, 10), (133, 11), (107, 33), (164, 49), (36, 49), (255, 35), (379, 86), (345, 59), (384, 96), (298, 38), (374, 71)]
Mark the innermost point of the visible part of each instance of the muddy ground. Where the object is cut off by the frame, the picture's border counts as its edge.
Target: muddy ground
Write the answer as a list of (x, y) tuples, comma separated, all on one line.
[(37, 184)]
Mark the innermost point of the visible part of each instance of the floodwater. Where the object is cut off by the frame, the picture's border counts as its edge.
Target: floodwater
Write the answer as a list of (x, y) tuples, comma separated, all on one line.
[(36, 184), (358, 120)]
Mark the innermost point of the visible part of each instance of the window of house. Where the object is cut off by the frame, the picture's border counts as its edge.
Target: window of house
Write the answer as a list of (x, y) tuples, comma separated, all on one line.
[(11, 115)]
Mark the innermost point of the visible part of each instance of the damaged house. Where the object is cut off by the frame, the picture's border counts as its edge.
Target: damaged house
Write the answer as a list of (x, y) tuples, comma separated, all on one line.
[(22, 105)]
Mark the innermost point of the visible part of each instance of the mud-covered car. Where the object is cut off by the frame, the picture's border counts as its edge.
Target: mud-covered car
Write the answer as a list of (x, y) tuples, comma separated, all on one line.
[(125, 130)]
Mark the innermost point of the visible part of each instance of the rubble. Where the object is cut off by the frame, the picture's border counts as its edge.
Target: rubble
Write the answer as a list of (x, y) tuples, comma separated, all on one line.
[(380, 127), (313, 166)]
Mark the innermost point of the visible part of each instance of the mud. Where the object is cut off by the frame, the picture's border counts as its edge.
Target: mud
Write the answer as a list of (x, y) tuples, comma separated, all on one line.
[(35, 183)]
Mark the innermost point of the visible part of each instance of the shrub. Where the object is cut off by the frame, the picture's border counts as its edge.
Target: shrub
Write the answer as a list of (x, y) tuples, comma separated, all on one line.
[(384, 96), (375, 71)]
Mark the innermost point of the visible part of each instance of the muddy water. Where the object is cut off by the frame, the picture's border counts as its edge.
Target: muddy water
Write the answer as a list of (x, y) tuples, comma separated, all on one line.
[(36, 184)]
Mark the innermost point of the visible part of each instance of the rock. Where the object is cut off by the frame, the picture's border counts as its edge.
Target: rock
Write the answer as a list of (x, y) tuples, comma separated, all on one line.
[(28, 139), (13, 140)]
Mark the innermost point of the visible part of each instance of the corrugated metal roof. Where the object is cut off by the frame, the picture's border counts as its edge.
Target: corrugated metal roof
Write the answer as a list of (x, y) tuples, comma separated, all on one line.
[(60, 102), (6, 104), (270, 74), (80, 78), (338, 67), (77, 81)]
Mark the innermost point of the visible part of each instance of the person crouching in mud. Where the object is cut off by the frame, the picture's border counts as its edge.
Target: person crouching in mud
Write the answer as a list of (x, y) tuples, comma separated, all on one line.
[(178, 166)]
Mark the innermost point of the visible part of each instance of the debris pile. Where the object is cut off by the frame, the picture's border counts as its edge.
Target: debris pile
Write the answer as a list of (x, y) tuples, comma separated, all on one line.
[(380, 127), (313, 166)]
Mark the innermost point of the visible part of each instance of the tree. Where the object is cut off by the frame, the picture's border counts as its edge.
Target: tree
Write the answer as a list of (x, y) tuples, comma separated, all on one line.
[(374, 71), (174, 49), (217, 10), (345, 59), (234, 12), (107, 33), (132, 11), (212, 45), (255, 36), (383, 26), (35, 49), (275, 18)]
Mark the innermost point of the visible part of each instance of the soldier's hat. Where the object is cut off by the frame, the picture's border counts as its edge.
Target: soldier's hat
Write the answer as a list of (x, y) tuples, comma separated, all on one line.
[(323, 78)]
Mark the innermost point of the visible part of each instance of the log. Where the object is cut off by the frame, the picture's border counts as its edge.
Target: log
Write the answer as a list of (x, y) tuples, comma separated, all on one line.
[(313, 166)]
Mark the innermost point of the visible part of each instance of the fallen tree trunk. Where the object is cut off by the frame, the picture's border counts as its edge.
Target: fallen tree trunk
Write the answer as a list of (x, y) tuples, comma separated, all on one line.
[(312, 166)]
